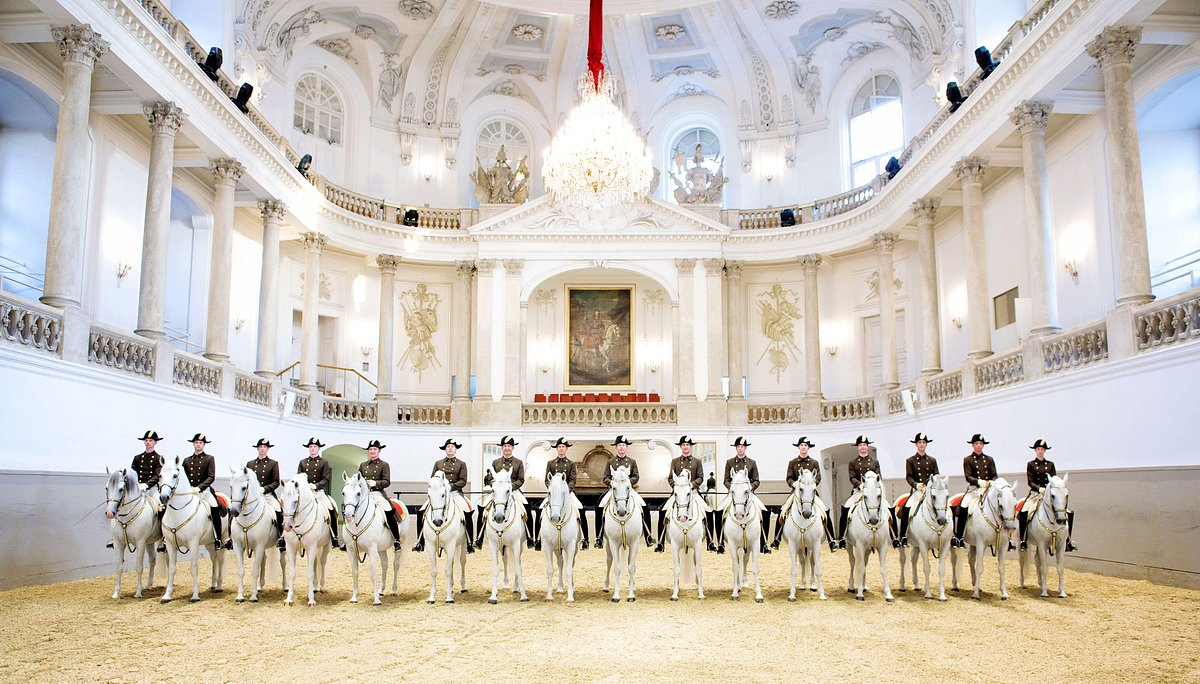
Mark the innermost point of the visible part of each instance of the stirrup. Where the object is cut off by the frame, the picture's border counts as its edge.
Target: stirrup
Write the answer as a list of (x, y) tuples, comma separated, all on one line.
[(419, 546), (586, 543), (1071, 546), (109, 545), (397, 545), (1024, 545), (599, 543), (658, 548), (280, 544), (775, 544)]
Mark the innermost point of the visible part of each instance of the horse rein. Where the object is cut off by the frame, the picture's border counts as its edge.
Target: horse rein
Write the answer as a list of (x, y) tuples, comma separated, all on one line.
[(117, 513), (193, 494), (611, 513), (246, 530)]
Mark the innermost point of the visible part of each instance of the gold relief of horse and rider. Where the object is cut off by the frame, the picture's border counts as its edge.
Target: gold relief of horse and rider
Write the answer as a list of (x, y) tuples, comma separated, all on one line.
[(420, 324), (778, 312), (599, 337)]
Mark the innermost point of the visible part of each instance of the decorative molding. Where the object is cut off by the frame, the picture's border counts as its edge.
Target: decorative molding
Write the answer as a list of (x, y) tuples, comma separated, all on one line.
[(1115, 45), (164, 117), (781, 9), (872, 282), (226, 171), (970, 169), (1031, 116), (528, 33), (387, 263), (271, 209), (779, 310), (420, 308), (79, 43), (926, 208), (885, 242), (809, 263), (313, 242), (670, 32), (416, 9)]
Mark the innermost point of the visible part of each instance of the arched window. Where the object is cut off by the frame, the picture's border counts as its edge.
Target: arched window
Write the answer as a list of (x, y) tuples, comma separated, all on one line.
[(501, 133), (318, 109), (684, 155), (876, 128)]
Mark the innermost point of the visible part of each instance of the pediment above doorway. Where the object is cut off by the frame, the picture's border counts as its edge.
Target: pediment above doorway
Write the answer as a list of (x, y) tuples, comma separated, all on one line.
[(649, 218)]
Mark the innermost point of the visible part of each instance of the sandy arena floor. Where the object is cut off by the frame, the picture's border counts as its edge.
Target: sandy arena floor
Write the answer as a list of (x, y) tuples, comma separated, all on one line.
[(1107, 630)]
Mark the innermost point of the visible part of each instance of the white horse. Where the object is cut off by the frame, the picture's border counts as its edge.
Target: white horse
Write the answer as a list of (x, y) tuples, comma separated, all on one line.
[(505, 532), (134, 525), (445, 530), (743, 533), (252, 531), (991, 519), (685, 531), (305, 531), (867, 531), (186, 527), (560, 535), (622, 531), (1047, 533), (930, 529), (370, 538), (805, 535)]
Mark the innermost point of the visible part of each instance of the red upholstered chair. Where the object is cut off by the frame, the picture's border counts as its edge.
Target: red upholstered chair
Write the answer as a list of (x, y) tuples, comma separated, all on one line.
[(654, 397), (553, 398), (630, 397), (539, 398), (577, 397), (641, 397), (602, 397)]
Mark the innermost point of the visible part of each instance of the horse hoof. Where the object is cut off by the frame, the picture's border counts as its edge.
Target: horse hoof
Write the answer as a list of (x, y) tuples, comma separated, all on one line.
[(792, 599), (890, 599), (975, 598), (195, 599), (217, 590), (311, 603), (463, 591), (904, 589), (758, 600), (812, 588), (849, 591), (240, 600), (942, 598), (1003, 598), (354, 600), (674, 598), (616, 600), (430, 602), (1062, 595), (860, 598), (492, 601), (450, 600), (166, 600)]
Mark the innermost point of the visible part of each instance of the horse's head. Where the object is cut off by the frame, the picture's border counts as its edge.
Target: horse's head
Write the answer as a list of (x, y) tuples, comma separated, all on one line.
[(806, 492), (243, 487), (289, 498), (501, 494), (120, 483), (621, 486), (1006, 502), (171, 480), (354, 493), (872, 497), (556, 496), (1056, 493), (439, 498), (739, 495), (938, 491)]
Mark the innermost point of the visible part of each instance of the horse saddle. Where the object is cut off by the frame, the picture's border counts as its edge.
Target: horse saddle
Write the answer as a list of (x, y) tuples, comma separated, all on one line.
[(1034, 500), (401, 509), (222, 503), (902, 501), (956, 500)]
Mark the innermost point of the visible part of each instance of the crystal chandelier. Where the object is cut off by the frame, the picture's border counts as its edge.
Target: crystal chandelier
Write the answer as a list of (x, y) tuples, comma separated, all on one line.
[(597, 159)]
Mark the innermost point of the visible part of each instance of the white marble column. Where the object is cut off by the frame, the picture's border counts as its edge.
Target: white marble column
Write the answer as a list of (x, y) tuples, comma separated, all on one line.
[(268, 288), (310, 334), (885, 245), (1114, 49), (226, 173), (970, 172), (685, 324), (484, 282), (387, 264), (812, 326), (80, 47), (165, 119), (513, 361), (736, 327), (716, 323), (466, 271), (1030, 118), (931, 329)]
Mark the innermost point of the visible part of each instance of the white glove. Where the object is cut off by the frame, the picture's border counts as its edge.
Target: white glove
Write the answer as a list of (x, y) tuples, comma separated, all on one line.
[(921, 486), (371, 484), (1041, 490), (312, 486)]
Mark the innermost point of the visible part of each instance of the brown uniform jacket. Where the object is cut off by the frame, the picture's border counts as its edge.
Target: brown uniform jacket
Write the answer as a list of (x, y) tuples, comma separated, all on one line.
[(690, 464), (1037, 473), (201, 470), (562, 465), (455, 471), (148, 466), (617, 462), (860, 466), (747, 464), (318, 470), (379, 471), (918, 469), (512, 464), (802, 463), (267, 470), (976, 468)]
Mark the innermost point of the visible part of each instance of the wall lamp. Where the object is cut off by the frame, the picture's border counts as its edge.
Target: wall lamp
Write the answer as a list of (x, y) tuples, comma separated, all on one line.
[(123, 270), (957, 321), (1072, 270), (831, 350)]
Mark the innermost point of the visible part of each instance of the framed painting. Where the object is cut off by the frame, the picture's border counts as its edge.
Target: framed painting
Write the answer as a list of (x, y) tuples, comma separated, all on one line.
[(600, 337)]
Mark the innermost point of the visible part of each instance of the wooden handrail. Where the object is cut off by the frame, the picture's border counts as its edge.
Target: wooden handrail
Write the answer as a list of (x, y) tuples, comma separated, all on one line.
[(327, 367)]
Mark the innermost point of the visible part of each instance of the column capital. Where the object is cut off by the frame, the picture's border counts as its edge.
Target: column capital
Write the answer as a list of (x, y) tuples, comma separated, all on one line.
[(79, 43), (485, 266), (164, 116), (685, 266), (970, 169), (271, 209), (713, 266), (313, 242), (810, 262), (225, 170), (1115, 45), (885, 241), (387, 263), (1031, 116), (926, 208), (733, 270), (514, 266)]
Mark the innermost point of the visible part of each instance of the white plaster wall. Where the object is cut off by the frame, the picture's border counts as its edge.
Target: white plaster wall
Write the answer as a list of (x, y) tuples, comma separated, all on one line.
[(26, 167), (120, 222), (1171, 179)]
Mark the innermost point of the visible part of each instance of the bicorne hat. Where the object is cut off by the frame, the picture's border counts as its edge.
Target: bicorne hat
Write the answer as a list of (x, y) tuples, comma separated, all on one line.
[(150, 434), (621, 440), (977, 437), (263, 441), (861, 439), (375, 443), (506, 439), (199, 437), (1041, 443), (740, 441), (684, 440), (561, 441), (922, 437), (803, 440), (448, 443), (311, 441)]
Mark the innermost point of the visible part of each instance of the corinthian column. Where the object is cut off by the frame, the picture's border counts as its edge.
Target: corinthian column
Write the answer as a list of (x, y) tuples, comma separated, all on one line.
[(737, 326), (310, 339), (512, 328), (165, 119), (80, 47), (885, 244), (387, 324), (685, 352), (931, 329), (1114, 49), (716, 319), (1030, 118), (970, 172), (268, 287), (226, 173), (812, 326)]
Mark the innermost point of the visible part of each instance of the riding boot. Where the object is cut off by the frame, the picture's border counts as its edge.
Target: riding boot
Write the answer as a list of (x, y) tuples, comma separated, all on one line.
[(395, 528), (583, 524), (778, 530), (646, 525), (420, 545), (710, 525), (1071, 528), (215, 513), (892, 531), (333, 535), (469, 528), (828, 524), (480, 526), (903, 514), (162, 545), (662, 529), (960, 524), (764, 525), (599, 513), (842, 527), (1023, 524), (109, 545), (531, 525), (719, 531), (279, 523)]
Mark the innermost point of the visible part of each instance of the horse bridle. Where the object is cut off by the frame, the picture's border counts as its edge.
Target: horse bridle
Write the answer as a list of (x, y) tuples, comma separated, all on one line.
[(997, 513), (120, 503)]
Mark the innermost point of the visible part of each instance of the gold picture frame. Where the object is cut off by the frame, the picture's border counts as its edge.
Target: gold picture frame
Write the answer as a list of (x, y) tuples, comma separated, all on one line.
[(599, 340)]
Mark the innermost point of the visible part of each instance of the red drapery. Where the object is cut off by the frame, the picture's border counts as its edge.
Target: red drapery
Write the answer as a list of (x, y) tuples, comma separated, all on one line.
[(595, 52)]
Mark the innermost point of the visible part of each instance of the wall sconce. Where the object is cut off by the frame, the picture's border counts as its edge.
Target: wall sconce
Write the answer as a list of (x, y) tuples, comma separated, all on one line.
[(1072, 270), (769, 177), (428, 176), (544, 366), (957, 321), (831, 350), (238, 323), (123, 270), (653, 366), (366, 350)]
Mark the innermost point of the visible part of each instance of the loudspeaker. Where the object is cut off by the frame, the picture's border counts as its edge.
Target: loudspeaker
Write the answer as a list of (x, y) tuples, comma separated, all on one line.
[(243, 97), (212, 63), (410, 217), (787, 218)]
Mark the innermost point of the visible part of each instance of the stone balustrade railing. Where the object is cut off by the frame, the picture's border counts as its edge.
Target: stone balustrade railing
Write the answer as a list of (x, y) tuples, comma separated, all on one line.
[(196, 372), (435, 219), (120, 350), (423, 415), (30, 324), (303, 405), (598, 414), (354, 411), (766, 414), (1000, 371), (944, 387), (252, 389), (352, 202), (848, 409), (895, 399), (1075, 348), (1167, 321)]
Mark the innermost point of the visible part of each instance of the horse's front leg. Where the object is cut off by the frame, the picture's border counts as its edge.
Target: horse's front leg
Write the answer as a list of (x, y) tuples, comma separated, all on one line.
[(903, 560), (494, 546), (172, 566), (975, 553), (925, 564), (462, 563), (240, 554), (195, 554), (139, 554), (675, 588), (451, 557), (569, 571), (794, 553), (352, 552), (815, 553), (883, 572), (758, 597), (518, 576), (630, 569), (431, 552), (289, 578), (120, 549), (1001, 555), (697, 567), (374, 560), (1059, 560), (258, 573), (736, 563), (549, 572)]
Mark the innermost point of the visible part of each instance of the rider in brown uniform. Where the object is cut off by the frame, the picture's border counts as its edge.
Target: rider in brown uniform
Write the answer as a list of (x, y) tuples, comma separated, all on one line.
[(378, 475), (201, 469), (569, 470), (267, 471), (148, 468), (863, 463), (620, 460), (917, 470), (743, 462), (516, 470), (1037, 474), (455, 471), (803, 462), (976, 466), (685, 462), (319, 474)]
